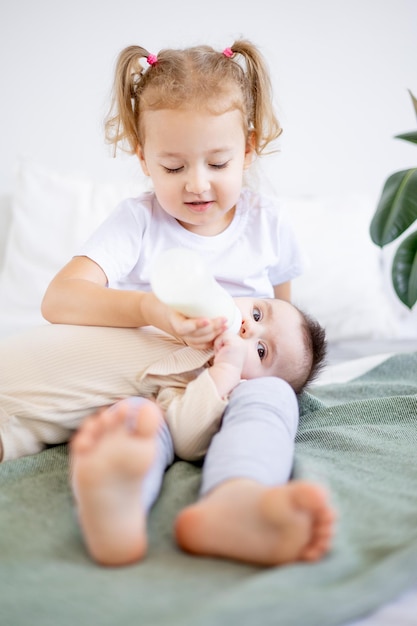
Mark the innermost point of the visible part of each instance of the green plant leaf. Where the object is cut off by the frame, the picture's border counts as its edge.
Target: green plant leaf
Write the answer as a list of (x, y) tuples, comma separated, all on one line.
[(397, 207), (413, 100), (411, 136), (404, 271)]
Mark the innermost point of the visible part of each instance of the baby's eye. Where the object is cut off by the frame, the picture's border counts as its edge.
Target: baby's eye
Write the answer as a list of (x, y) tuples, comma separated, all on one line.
[(261, 351), (256, 314)]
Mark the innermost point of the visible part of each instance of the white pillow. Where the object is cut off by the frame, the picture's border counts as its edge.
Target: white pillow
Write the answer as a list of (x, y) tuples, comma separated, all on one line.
[(51, 215), (344, 287)]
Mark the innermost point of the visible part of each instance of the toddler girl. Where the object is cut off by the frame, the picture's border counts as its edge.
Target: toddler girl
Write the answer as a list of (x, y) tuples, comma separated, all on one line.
[(196, 119)]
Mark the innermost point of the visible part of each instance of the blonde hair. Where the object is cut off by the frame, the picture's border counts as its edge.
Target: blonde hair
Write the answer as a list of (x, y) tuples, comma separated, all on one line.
[(198, 77)]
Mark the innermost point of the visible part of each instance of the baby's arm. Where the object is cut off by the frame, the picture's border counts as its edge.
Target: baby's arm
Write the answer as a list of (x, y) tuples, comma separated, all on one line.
[(230, 353), (79, 295), (194, 413)]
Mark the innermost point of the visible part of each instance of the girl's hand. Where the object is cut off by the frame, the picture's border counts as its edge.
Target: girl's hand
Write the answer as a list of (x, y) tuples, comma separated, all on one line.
[(196, 332)]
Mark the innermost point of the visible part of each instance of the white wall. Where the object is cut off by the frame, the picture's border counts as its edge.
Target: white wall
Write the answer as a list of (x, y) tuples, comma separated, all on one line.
[(340, 69)]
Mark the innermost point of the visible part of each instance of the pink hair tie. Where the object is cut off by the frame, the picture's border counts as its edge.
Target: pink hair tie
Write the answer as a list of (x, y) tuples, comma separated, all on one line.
[(228, 52), (152, 59)]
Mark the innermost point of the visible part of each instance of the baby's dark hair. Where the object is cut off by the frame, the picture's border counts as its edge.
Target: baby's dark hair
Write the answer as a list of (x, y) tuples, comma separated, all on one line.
[(198, 77), (315, 350)]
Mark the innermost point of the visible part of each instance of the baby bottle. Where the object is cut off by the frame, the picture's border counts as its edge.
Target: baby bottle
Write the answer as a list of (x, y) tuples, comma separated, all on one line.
[(181, 279)]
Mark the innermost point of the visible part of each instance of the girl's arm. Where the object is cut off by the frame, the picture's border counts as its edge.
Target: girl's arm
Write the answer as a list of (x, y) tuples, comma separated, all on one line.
[(283, 291), (78, 295)]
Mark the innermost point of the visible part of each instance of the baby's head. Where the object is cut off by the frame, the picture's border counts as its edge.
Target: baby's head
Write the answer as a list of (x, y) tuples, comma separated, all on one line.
[(287, 342), (199, 78)]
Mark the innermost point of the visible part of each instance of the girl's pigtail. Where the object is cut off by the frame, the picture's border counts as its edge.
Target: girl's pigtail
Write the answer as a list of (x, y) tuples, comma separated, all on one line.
[(122, 122), (266, 127)]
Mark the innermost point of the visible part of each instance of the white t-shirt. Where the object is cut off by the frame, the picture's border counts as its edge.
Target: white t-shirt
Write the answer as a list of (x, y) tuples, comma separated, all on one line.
[(256, 251)]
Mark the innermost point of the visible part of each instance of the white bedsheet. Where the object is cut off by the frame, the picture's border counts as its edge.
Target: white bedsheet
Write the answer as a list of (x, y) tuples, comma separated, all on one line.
[(347, 370)]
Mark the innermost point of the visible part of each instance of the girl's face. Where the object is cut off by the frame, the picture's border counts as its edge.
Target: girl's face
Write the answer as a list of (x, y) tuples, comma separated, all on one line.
[(196, 162), (273, 330)]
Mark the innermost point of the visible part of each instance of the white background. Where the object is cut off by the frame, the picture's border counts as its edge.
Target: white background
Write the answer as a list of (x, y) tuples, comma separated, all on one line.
[(340, 70)]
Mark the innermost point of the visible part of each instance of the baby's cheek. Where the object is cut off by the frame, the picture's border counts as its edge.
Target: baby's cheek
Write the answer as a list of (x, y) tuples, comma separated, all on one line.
[(252, 367)]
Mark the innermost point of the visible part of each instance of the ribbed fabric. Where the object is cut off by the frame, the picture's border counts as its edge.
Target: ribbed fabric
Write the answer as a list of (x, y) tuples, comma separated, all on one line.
[(52, 377)]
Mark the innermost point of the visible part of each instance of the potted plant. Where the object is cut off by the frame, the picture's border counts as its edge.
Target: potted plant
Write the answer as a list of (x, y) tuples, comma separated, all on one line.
[(395, 213)]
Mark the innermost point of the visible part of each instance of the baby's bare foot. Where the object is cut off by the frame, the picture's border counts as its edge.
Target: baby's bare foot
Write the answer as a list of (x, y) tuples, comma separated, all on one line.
[(110, 456), (245, 521)]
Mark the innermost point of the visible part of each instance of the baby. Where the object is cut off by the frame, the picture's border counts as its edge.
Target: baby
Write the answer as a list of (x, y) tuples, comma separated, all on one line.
[(53, 377)]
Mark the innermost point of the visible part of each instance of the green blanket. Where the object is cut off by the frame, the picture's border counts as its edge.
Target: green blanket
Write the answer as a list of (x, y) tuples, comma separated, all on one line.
[(359, 438)]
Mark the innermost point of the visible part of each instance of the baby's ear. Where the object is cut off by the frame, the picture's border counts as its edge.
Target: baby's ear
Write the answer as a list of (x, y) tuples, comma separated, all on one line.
[(142, 161)]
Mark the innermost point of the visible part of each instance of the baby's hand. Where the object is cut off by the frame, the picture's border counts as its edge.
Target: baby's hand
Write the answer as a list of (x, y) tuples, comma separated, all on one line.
[(230, 352), (231, 349)]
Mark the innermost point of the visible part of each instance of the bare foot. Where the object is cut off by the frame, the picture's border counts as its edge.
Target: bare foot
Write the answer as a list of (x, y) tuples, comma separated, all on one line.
[(248, 522), (110, 456)]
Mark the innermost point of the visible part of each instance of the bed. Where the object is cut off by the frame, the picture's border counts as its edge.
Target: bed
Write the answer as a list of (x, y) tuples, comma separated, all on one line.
[(358, 435)]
